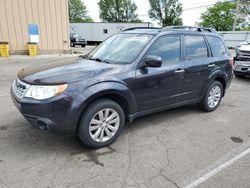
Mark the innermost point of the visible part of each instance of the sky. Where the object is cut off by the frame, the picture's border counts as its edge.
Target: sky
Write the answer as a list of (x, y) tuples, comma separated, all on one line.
[(192, 10)]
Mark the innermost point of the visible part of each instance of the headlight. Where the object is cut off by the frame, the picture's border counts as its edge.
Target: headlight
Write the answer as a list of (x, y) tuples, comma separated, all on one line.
[(40, 92)]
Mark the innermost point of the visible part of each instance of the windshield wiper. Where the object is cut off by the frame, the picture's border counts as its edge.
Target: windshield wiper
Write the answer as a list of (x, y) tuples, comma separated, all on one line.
[(100, 60), (84, 56)]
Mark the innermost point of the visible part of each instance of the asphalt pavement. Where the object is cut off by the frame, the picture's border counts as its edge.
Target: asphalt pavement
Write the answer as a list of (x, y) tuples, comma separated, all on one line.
[(183, 147)]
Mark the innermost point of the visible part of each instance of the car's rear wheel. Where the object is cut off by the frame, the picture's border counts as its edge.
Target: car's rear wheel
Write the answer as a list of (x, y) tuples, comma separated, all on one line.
[(101, 123), (83, 45), (212, 98)]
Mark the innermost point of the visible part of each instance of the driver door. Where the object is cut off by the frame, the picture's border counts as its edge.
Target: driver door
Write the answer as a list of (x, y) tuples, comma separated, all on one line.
[(162, 86)]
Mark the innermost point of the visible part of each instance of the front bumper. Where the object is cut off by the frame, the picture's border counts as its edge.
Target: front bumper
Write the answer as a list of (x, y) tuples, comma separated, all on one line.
[(242, 68), (80, 43), (57, 114)]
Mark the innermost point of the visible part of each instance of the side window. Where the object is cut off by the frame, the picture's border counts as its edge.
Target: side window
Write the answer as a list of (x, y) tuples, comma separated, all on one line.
[(217, 46), (105, 31), (168, 48), (195, 47)]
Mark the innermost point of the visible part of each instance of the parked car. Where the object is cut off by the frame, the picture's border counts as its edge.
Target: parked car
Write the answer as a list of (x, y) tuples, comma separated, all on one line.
[(76, 39), (242, 60), (134, 73)]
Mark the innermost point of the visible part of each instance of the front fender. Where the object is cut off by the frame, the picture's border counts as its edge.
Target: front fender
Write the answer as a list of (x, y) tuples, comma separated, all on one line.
[(100, 89)]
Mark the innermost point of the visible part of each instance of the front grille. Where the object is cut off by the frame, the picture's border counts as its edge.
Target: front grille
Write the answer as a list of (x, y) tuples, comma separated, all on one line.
[(20, 88), (244, 69), (245, 52)]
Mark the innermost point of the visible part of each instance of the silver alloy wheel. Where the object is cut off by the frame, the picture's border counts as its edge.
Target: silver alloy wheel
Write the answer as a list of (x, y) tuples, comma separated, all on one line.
[(214, 96), (104, 125)]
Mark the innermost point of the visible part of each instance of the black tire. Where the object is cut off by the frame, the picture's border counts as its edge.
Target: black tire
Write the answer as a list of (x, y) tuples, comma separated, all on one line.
[(83, 45), (239, 75), (89, 113), (203, 105)]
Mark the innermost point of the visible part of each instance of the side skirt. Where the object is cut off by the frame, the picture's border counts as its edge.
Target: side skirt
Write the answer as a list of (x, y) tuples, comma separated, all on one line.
[(162, 108)]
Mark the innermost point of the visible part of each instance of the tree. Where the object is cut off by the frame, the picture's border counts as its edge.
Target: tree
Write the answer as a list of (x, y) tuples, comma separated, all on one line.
[(118, 11), (244, 14), (220, 16), (78, 12), (168, 12)]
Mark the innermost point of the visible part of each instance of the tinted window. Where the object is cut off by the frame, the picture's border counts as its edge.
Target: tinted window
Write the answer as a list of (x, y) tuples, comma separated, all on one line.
[(168, 48), (195, 47), (216, 46)]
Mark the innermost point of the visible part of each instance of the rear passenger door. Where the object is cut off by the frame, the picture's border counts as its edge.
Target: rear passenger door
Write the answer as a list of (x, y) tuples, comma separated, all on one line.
[(196, 64)]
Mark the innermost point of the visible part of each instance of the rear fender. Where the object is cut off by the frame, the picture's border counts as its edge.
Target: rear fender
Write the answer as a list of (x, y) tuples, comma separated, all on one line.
[(217, 73)]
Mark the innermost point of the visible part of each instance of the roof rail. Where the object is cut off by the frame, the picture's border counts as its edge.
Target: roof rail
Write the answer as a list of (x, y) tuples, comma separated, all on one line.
[(189, 28), (134, 28)]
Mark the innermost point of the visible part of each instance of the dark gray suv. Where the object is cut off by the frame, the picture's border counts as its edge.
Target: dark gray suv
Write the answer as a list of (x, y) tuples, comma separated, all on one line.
[(76, 39), (137, 72)]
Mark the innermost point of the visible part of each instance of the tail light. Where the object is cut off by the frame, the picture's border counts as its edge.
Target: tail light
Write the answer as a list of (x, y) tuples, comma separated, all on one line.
[(231, 61)]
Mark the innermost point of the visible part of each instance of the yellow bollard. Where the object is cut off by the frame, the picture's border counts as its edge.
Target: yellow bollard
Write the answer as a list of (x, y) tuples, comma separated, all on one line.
[(32, 49), (4, 49)]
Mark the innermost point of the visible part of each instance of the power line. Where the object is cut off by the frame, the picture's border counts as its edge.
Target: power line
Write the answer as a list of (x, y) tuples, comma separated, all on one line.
[(194, 5), (201, 6), (209, 3)]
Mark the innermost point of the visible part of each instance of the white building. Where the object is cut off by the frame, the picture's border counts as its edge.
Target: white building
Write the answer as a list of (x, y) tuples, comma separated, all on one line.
[(99, 31)]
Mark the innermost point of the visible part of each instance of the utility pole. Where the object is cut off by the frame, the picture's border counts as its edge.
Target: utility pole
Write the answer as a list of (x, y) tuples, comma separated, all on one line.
[(236, 14)]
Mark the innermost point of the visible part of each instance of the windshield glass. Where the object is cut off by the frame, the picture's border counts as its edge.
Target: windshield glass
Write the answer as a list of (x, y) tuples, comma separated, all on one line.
[(121, 48), (76, 35)]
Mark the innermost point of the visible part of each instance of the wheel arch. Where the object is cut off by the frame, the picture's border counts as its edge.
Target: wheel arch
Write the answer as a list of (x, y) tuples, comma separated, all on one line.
[(223, 83), (215, 77), (115, 91)]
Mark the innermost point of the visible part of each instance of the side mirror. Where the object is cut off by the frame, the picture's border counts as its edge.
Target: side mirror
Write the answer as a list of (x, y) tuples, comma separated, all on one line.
[(152, 61)]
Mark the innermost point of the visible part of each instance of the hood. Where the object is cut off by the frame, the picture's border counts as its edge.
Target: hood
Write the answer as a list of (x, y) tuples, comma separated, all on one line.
[(64, 71), (245, 48)]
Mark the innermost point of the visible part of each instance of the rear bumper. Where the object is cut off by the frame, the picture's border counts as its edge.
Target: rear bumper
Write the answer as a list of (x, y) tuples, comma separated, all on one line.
[(80, 43), (57, 114)]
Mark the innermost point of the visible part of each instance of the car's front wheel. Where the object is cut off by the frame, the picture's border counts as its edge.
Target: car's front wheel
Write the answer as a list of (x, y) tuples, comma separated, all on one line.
[(101, 123), (212, 98), (72, 44)]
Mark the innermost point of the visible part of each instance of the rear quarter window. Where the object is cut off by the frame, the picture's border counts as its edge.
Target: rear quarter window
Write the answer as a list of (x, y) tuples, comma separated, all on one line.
[(217, 46)]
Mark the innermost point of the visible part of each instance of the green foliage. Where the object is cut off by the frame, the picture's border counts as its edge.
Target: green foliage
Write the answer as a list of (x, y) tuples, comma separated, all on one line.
[(220, 16), (118, 11), (245, 28), (78, 12), (168, 12)]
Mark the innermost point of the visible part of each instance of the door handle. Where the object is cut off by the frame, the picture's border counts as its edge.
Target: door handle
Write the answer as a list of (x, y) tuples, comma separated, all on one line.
[(211, 65), (179, 71)]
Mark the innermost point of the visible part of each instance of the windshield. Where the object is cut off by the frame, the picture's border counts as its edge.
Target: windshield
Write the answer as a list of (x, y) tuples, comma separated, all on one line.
[(76, 35), (120, 48)]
